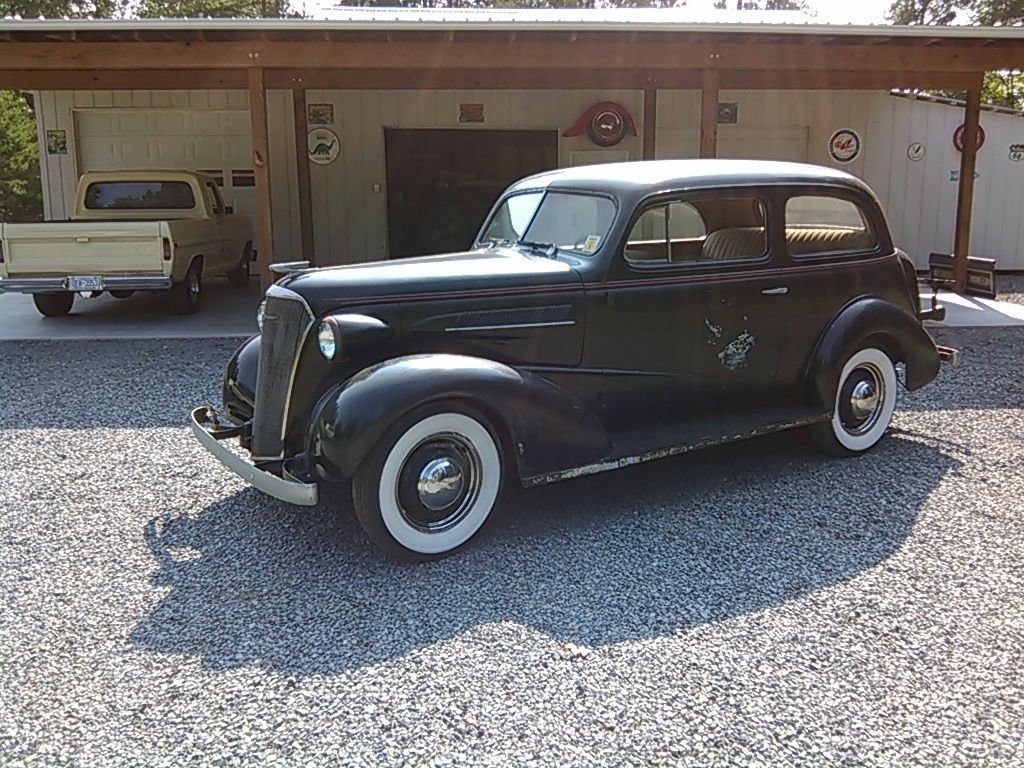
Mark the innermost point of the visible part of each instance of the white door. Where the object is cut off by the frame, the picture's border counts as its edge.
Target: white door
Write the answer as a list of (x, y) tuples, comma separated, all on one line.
[(213, 140)]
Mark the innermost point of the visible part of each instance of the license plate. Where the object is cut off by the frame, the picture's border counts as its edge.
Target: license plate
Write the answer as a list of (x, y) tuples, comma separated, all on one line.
[(85, 284)]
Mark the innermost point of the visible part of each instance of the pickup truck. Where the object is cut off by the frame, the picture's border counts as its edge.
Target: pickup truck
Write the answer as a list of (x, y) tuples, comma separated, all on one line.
[(131, 231)]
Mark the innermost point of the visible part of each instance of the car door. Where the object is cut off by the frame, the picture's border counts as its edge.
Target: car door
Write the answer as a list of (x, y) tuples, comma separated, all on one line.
[(839, 247), (688, 326), (218, 228)]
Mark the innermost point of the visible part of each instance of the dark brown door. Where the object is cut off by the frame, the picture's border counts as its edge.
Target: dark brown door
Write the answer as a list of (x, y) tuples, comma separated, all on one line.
[(442, 182)]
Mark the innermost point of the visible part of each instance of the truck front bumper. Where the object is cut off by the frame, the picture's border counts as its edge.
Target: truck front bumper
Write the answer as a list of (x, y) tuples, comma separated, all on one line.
[(209, 430), (57, 284)]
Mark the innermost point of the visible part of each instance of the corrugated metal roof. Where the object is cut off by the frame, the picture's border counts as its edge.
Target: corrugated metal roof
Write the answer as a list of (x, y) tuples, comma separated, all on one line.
[(674, 20)]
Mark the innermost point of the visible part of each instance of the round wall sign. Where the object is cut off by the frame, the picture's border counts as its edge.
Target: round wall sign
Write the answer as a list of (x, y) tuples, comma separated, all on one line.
[(607, 128), (916, 151), (844, 145), (323, 146), (958, 137), (606, 124)]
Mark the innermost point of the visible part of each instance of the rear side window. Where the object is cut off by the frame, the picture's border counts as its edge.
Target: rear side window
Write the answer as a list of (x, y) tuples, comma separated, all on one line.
[(693, 231), (819, 225), (140, 196)]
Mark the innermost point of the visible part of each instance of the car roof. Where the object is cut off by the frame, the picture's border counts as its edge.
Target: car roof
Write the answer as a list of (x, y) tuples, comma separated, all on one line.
[(654, 175)]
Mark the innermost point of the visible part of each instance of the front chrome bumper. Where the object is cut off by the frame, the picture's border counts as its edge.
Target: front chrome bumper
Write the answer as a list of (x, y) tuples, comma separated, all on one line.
[(210, 431), (109, 283), (949, 355)]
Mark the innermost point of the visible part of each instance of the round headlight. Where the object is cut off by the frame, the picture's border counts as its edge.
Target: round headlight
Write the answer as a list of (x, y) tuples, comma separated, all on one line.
[(259, 313), (327, 341)]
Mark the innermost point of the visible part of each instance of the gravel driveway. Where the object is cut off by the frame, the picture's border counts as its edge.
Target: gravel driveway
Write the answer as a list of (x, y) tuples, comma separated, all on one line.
[(755, 603)]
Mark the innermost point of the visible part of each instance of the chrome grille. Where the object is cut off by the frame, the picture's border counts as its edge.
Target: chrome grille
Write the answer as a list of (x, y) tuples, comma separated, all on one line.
[(285, 321)]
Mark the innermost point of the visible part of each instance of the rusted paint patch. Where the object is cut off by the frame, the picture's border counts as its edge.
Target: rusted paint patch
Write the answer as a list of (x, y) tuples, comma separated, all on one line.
[(675, 450), (735, 353), (714, 330)]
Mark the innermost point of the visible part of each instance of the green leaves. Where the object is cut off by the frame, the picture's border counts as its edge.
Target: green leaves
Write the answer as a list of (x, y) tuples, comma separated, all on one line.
[(20, 193), (1003, 88)]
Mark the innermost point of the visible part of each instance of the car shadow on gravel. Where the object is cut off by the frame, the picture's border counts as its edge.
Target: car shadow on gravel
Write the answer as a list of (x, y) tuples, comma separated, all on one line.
[(643, 552)]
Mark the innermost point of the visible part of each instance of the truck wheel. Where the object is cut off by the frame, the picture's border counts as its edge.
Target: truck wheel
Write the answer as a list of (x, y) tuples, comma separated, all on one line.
[(430, 484), (121, 294), (864, 403), (54, 304), (185, 295), (239, 276)]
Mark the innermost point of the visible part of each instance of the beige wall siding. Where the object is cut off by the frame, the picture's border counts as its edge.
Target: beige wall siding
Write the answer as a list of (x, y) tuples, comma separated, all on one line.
[(350, 217), (919, 198), (208, 111)]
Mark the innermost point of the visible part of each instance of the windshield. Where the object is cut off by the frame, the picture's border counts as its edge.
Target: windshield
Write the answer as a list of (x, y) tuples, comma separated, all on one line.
[(567, 221)]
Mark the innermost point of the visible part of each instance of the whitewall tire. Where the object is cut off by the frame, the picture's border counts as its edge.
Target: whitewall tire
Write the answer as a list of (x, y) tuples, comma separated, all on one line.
[(864, 402), (431, 484)]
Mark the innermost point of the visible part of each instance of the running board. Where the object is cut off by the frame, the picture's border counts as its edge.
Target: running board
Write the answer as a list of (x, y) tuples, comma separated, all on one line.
[(623, 457)]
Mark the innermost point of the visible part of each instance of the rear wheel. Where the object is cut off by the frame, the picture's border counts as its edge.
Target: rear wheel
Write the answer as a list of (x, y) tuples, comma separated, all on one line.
[(185, 295), (121, 294), (54, 304), (864, 403), (430, 484)]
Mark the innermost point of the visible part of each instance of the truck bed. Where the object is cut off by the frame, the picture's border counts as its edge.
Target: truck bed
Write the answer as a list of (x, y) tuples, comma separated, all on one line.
[(108, 247)]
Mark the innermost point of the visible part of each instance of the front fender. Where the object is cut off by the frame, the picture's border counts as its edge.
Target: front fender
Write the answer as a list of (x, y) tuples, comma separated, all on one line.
[(899, 333), (239, 387), (546, 428)]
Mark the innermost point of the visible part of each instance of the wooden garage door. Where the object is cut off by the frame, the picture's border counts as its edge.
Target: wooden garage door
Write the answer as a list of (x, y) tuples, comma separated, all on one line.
[(442, 182)]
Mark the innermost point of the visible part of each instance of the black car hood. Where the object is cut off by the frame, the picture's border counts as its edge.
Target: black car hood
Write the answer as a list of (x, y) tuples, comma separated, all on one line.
[(479, 272)]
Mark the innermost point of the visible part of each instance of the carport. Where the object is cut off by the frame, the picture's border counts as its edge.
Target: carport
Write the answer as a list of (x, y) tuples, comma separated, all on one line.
[(649, 51)]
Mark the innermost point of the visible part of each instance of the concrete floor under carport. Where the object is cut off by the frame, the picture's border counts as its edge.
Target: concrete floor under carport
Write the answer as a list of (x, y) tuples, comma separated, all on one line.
[(225, 311)]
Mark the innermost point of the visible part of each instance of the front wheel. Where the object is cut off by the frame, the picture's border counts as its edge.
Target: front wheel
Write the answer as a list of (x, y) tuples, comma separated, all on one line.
[(54, 304), (430, 484), (864, 403)]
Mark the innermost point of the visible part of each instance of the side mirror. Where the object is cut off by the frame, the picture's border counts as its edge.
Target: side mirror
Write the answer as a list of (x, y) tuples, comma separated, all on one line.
[(229, 209)]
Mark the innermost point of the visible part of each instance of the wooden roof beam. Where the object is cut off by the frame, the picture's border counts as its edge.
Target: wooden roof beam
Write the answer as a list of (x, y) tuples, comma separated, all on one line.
[(497, 54)]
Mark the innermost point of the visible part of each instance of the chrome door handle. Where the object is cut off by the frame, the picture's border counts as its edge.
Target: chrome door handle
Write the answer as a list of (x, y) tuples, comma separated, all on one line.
[(782, 290)]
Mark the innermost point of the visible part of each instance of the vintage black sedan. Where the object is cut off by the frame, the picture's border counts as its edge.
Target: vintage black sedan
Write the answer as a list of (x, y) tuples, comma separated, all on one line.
[(604, 315)]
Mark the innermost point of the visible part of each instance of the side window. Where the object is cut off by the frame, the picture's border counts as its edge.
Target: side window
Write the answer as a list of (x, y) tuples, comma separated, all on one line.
[(819, 224), (693, 231), (213, 195), (685, 223), (648, 241)]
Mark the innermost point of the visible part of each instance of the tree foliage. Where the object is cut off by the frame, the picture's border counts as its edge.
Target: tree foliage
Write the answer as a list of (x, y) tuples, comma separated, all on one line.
[(218, 9), (59, 9), (1003, 88), (21, 197)]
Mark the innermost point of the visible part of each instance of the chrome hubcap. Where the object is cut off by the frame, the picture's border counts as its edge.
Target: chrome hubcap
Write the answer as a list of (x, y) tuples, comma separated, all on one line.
[(440, 484), (861, 399)]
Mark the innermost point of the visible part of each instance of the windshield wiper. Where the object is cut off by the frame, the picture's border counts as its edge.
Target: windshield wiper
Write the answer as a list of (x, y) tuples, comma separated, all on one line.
[(548, 249)]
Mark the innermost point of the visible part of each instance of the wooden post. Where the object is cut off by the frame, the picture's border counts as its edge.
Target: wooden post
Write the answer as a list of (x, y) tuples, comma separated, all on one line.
[(709, 113), (302, 166), (261, 166), (650, 122), (965, 191)]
